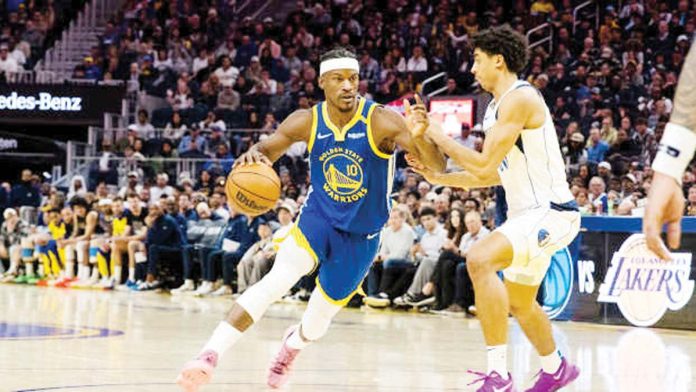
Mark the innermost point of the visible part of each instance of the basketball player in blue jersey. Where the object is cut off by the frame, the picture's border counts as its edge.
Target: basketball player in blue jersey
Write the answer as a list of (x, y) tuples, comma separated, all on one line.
[(351, 142), (521, 152)]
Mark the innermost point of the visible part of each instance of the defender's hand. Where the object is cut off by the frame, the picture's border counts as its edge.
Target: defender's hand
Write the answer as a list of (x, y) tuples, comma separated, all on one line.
[(665, 205), (416, 117)]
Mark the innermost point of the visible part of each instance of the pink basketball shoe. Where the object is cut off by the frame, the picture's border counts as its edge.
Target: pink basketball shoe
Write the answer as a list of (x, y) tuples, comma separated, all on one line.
[(279, 372), (198, 372)]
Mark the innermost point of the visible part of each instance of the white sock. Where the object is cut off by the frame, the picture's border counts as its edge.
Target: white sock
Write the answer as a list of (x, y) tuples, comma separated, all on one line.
[(131, 274), (13, 268), (552, 362), (295, 340), (70, 269), (30, 268), (222, 339), (117, 274), (497, 359)]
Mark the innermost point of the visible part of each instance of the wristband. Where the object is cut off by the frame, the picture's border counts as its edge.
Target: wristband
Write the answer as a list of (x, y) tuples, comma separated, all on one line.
[(675, 151)]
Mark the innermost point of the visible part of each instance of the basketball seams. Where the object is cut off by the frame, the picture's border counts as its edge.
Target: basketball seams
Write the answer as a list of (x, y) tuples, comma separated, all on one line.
[(239, 187), (272, 179)]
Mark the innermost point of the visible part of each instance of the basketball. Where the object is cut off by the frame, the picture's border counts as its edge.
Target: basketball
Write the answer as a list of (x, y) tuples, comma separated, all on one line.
[(253, 189)]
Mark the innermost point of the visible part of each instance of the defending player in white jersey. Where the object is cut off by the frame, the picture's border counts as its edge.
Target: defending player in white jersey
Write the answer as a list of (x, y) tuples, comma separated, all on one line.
[(666, 198), (521, 152)]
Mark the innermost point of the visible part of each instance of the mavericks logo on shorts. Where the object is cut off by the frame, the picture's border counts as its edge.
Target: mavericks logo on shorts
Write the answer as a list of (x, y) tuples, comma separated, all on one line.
[(558, 284), (643, 286), (343, 175)]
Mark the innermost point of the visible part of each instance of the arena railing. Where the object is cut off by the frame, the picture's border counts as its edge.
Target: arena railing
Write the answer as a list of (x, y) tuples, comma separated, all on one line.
[(580, 7), (96, 135), (548, 38)]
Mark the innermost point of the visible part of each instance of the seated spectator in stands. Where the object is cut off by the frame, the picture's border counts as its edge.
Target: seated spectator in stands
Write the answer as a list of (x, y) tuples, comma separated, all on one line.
[(192, 142), (388, 278), (133, 185), (8, 65), (575, 153), (33, 35), (186, 207), (598, 196), (218, 205), (161, 187), (464, 291), (142, 126), (175, 128), (14, 234), (624, 149), (228, 98), (583, 200), (442, 208), (239, 235), (78, 187), (690, 209), (227, 73), (104, 169), (205, 183), (256, 261), (596, 147), (164, 242), (417, 62), (222, 161), (180, 99), (26, 193), (604, 171), (441, 283), (609, 133), (426, 252)]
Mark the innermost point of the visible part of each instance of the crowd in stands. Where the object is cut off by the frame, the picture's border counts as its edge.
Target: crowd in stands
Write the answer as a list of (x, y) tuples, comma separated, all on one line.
[(608, 88), (27, 28)]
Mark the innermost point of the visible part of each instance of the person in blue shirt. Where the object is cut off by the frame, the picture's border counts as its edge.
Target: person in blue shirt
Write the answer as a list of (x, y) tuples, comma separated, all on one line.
[(596, 147), (242, 232), (25, 193), (164, 241), (192, 141), (351, 142)]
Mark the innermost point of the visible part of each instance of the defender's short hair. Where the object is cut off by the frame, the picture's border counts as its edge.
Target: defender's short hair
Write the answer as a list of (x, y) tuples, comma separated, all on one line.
[(339, 52), (506, 42)]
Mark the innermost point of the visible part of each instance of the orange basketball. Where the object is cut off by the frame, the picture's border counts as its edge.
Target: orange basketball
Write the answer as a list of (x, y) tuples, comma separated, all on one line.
[(253, 189)]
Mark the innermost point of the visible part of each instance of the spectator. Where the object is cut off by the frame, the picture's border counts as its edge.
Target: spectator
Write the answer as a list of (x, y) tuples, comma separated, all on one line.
[(426, 253), (256, 260), (175, 128), (162, 187), (691, 202), (164, 242), (575, 153), (598, 196), (227, 73), (228, 98), (132, 186), (194, 141), (596, 147), (441, 284), (26, 194), (142, 127), (392, 263), (8, 64), (417, 63)]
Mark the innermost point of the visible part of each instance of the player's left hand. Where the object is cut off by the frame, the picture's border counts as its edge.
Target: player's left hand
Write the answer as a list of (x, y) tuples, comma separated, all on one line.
[(416, 117), (665, 205)]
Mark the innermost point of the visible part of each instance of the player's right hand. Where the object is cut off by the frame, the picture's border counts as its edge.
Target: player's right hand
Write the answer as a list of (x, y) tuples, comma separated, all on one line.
[(665, 205), (252, 156)]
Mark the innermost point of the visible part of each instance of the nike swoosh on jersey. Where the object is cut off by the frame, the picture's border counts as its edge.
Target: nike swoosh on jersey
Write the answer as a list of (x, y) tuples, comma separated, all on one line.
[(324, 136), (371, 236)]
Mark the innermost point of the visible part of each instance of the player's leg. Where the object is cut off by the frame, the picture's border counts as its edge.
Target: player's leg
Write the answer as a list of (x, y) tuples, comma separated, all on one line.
[(27, 259), (97, 262), (485, 258), (314, 325), (553, 232), (291, 263)]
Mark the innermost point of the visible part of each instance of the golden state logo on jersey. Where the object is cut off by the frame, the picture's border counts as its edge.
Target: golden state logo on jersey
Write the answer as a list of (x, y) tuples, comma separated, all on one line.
[(343, 175)]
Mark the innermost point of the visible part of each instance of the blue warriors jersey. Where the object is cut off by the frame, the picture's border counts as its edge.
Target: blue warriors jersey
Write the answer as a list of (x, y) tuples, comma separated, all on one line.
[(351, 180)]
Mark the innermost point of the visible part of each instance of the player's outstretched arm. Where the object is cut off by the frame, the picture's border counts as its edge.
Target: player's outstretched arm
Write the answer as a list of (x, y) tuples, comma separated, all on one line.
[(513, 114), (409, 133), (666, 200), (460, 179), (295, 128)]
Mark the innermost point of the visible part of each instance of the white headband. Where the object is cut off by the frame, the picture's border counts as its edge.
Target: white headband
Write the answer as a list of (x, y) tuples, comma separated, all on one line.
[(341, 63)]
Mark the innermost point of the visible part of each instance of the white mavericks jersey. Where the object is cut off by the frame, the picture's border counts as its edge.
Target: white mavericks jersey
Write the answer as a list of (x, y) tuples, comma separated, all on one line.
[(533, 171)]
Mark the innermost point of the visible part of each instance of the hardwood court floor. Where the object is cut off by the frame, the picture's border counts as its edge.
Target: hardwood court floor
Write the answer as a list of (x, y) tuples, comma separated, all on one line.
[(77, 340)]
